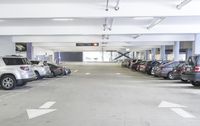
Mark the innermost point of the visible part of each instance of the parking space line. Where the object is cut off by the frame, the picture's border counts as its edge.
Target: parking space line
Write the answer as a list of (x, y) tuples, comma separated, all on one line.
[(47, 105), (182, 113), (75, 71), (87, 73)]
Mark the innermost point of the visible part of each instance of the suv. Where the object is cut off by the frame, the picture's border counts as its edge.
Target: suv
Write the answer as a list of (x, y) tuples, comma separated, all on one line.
[(40, 69), (192, 70), (15, 71)]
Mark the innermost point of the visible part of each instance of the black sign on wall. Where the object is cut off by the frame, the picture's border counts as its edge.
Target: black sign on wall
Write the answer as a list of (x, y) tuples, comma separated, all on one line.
[(87, 44), (71, 56)]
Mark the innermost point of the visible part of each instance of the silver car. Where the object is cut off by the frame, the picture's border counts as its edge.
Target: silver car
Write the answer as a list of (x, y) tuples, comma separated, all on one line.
[(40, 69), (15, 71)]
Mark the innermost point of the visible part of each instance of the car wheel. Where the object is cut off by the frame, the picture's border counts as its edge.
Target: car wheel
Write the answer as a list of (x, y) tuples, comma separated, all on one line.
[(152, 72), (170, 76), (8, 82), (195, 83), (38, 75)]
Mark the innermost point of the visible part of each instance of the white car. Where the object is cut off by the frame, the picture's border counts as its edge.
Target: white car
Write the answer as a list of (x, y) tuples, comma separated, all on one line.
[(40, 69), (15, 71)]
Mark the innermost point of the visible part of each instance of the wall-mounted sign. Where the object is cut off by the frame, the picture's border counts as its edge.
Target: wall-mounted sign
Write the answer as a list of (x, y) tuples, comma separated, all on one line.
[(87, 44), (21, 47)]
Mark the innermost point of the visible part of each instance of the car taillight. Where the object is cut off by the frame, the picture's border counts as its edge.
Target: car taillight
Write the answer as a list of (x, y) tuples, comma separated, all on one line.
[(197, 69), (25, 68)]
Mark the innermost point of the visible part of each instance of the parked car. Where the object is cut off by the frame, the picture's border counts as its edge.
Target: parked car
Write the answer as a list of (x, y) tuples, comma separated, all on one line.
[(192, 70), (166, 69), (55, 69), (125, 63), (15, 71), (135, 64), (156, 69), (150, 65), (40, 69), (142, 66), (178, 71)]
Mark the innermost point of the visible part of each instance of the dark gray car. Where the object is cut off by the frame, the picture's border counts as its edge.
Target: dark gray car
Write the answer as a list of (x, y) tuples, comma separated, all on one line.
[(166, 69)]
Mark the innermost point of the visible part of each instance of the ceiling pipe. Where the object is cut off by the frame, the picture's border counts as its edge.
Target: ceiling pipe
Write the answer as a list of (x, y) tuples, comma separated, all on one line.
[(105, 25), (111, 24), (155, 22), (183, 3), (107, 4), (117, 5)]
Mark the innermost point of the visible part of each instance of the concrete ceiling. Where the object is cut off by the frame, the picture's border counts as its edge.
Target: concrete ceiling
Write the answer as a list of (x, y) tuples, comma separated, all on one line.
[(137, 22)]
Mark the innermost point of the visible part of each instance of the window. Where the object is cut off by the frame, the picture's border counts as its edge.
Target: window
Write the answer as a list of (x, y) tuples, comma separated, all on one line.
[(16, 61)]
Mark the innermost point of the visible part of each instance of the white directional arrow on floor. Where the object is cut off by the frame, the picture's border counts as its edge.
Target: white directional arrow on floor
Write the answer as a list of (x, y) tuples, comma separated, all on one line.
[(44, 109), (177, 108)]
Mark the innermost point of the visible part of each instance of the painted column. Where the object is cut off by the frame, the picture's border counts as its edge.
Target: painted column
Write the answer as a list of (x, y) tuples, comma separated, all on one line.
[(147, 55), (162, 53), (176, 50), (137, 55), (196, 45), (29, 51), (153, 54), (188, 53), (133, 54)]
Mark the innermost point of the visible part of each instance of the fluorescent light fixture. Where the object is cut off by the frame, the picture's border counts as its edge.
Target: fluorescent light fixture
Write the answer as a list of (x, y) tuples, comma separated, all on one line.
[(127, 49), (63, 19), (143, 18), (155, 22), (182, 4)]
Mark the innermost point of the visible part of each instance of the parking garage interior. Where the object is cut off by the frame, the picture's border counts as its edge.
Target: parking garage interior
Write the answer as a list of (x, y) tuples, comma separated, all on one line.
[(95, 56)]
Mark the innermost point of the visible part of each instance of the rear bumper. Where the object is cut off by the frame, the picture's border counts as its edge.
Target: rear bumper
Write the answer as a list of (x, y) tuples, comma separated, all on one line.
[(21, 81), (191, 77)]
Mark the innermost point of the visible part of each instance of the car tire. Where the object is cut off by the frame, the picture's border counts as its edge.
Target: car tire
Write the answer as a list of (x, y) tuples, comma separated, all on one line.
[(195, 83), (8, 82), (170, 76), (165, 77), (38, 75)]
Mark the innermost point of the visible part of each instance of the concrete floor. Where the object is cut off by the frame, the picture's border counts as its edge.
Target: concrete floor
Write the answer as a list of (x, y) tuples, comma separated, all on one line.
[(101, 95)]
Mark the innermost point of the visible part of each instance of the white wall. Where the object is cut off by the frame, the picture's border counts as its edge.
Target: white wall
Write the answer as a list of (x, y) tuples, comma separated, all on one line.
[(7, 47), (41, 52)]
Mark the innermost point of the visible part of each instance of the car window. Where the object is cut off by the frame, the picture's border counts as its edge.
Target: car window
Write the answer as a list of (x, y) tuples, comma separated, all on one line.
[(35, 62), (191, 61), (16, 61)]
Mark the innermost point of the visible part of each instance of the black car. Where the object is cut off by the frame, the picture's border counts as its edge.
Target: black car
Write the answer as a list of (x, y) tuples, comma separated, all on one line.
[(192, 70), (150, 65)]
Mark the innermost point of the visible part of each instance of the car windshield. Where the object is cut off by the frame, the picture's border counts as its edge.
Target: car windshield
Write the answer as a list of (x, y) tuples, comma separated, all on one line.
[(16, 61)]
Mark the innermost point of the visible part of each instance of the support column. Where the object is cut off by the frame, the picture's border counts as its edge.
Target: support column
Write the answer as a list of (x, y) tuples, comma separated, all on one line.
[(147, 55), (196, 45), (188, 53), (133, 54), (176, 51), (29, 51), (7, 46), (162, 53), (137, 55), (153, 54)]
